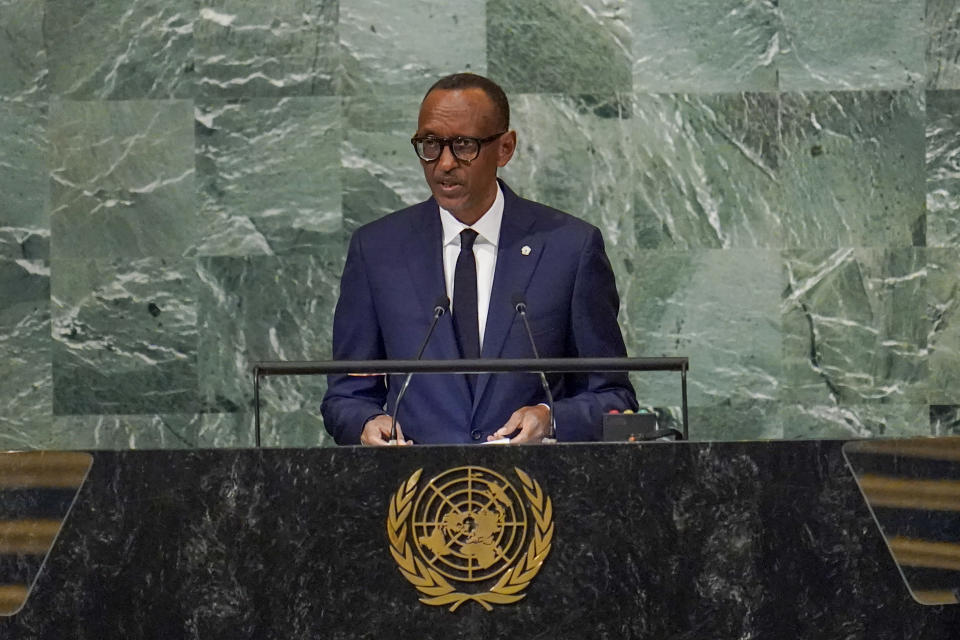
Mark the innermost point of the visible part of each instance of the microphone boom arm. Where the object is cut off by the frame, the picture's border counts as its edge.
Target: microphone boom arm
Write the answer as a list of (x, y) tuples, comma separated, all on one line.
[(521, 308), (438, 311)]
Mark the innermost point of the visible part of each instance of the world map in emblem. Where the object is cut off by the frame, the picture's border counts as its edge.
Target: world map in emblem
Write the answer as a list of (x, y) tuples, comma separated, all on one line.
[(469, 524)]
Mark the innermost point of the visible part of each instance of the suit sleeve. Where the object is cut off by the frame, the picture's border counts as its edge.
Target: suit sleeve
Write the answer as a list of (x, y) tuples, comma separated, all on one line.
[(352, 400), (594, 332)]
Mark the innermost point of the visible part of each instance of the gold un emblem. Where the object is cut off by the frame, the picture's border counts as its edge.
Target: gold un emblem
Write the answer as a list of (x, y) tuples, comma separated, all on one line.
[(470, 535)]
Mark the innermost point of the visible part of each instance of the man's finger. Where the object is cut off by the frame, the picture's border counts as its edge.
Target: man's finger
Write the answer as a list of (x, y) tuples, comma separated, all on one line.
[(511, 425), (376, 431), (526, 427), (533, 424)]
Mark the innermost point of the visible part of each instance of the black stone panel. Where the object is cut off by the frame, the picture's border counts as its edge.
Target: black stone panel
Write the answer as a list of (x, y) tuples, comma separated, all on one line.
[(661, 540)]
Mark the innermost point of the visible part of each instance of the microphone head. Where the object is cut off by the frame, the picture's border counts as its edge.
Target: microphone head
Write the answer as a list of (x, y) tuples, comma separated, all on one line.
[(442, 305), (519, 303)]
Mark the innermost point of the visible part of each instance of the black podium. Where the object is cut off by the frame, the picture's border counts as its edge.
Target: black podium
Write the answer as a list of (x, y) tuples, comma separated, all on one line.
[(653, 540)]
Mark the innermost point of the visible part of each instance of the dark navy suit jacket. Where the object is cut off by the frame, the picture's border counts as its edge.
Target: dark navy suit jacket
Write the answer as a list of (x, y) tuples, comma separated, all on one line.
[(391, 282)]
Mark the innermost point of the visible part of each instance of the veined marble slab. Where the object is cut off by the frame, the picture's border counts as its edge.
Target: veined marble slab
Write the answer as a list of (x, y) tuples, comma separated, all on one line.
[(248, 48), (24, 219), (706, 171), (24, 66), (122, 179), (867, 44), (944, 337), (705, 46), (851, 169), (404, 47), (120, 50), (943, 168), (26, 384), (268, 173), (943, 47), (855, 327), (559, 46), (573, 153), (147, 431), (124, 336), (763, 172), (267, 308), (721, 308), (813, 421), (380, 171)]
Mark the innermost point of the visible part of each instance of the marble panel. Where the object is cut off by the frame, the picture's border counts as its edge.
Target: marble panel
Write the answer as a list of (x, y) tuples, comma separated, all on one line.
[(943, 168), (720, 308), (559, 46), (120, 50), (852, 169), (268, 172), (26, 386), (125, 336), (759, 420), (248, 48), (943, 46), (706, 171), (295, 429), (145, 431), (268, 308), (573, 154), (831, 421), (855, 328), (122, 179), (869, 44), (380, 171), (24, 220), (404, 47), (943, 309), (23, 56), (705, 45)]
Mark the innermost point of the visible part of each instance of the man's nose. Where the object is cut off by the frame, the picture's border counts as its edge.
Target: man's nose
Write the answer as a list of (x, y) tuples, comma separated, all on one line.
[(447, 160)]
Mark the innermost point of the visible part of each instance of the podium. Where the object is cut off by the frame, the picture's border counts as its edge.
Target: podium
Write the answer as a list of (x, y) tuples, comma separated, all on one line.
[(652, 540)]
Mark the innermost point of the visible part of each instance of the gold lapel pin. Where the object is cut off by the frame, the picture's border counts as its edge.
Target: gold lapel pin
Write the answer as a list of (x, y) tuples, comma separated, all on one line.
[(526, 250)]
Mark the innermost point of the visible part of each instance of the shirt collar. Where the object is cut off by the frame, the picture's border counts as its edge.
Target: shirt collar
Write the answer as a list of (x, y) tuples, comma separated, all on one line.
[(487, 227)]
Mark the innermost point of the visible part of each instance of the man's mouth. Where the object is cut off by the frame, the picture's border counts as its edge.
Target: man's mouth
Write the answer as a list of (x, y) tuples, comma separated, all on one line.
[(448, 185)]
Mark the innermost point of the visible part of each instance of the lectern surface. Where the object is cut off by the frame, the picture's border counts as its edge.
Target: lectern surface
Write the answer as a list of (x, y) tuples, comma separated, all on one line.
[(655, 540)]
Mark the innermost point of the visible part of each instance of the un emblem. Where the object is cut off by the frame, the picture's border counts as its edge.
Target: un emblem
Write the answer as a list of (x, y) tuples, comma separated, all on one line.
[(470, 527)]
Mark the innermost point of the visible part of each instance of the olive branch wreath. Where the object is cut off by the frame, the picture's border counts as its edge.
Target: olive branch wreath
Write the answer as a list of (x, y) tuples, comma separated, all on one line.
[(438, 591)]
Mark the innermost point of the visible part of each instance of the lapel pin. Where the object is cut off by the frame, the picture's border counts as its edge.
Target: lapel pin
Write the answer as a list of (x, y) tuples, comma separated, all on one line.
[(525, 250)]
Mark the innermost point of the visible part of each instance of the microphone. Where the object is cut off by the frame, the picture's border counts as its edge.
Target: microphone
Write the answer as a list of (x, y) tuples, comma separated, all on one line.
[(441, 307), (521, 306)]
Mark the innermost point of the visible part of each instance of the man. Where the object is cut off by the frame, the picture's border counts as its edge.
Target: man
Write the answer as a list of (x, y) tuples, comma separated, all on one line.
[(478, 243)]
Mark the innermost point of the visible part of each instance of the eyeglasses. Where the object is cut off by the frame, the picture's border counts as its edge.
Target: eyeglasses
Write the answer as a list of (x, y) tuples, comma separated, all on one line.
[(429, 148)]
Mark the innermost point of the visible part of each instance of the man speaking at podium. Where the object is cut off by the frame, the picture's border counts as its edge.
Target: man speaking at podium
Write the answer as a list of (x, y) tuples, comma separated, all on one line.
[(478, 248)]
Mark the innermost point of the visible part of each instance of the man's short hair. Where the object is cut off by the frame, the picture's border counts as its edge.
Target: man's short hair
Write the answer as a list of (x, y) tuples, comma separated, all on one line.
[(457, 81)]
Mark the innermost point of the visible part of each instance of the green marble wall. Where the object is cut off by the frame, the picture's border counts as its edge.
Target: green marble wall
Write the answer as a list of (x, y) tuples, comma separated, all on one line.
[(778, 183)]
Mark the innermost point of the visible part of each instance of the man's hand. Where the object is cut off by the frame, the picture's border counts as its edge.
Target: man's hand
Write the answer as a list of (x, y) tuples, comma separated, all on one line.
[(376, 432), (530, 424)]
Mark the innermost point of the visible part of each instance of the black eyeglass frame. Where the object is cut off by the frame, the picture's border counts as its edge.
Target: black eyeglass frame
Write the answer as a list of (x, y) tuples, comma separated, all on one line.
[(448, 142)]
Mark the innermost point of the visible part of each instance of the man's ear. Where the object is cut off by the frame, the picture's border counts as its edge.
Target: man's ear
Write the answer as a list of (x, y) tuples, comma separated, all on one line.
[(506, 145)]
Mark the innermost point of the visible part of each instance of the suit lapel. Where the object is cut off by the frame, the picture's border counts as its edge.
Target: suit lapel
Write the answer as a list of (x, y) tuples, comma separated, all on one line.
[(425, 263), (515, 266)]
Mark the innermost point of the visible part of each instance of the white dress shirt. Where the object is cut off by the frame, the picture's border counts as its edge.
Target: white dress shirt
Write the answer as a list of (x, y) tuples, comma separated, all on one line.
[(484, 250)]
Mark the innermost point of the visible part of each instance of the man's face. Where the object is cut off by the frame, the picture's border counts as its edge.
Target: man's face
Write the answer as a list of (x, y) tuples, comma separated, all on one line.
[(465, 189)]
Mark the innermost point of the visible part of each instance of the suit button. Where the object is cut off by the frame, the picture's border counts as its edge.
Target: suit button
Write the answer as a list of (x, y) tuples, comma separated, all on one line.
[(475, 434)]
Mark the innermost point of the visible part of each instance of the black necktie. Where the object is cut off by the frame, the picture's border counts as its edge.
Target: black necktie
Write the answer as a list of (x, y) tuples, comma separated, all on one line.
[(465, 297)]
